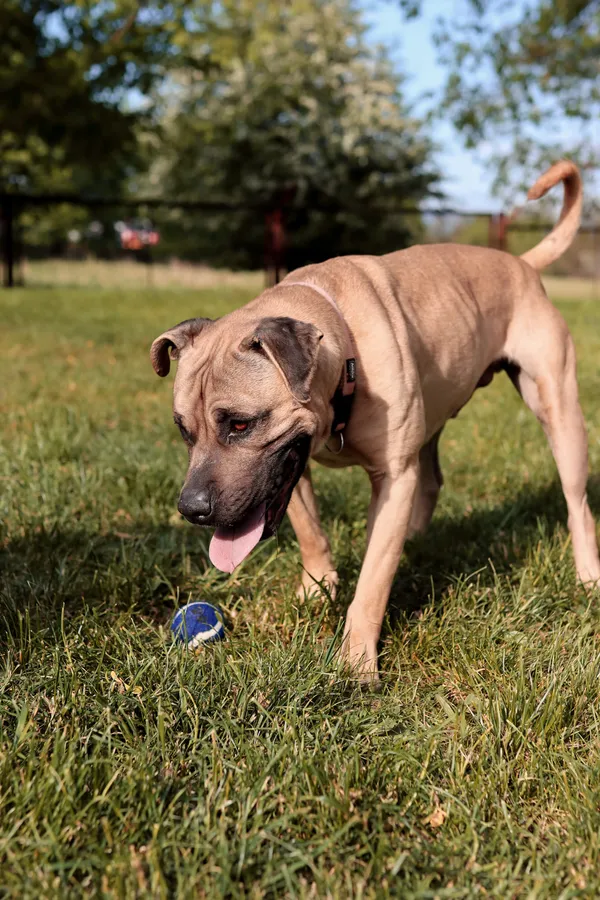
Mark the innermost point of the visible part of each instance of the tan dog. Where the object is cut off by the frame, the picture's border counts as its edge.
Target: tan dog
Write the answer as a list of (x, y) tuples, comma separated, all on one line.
[(428, 325)]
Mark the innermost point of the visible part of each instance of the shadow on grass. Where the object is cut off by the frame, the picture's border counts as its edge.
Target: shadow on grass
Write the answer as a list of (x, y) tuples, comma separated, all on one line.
[(47, 575), (498, 540), (43, 572)]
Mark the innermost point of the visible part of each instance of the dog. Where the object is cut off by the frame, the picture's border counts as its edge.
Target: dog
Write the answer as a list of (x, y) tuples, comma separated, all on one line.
[(361, 360)]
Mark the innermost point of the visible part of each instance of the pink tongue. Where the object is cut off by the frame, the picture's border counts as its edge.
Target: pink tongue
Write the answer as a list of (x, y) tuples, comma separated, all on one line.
[(229, 546)]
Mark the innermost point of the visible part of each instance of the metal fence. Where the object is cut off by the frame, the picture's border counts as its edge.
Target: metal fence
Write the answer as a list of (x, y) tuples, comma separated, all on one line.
[(133, 239)]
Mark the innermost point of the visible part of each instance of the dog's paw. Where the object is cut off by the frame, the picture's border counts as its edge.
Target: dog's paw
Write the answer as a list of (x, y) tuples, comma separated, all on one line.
[(361, 655), (312, 586), (590, 580)]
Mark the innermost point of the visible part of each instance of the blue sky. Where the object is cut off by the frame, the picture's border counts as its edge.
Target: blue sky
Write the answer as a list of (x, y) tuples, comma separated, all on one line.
[(465, 181)]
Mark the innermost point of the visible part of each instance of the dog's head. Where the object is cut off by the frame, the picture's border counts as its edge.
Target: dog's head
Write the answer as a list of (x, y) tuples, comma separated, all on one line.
[(241, 404)]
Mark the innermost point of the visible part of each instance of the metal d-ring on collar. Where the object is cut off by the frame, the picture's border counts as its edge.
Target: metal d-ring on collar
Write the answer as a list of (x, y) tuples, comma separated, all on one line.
[(343, 398), (340, 448)]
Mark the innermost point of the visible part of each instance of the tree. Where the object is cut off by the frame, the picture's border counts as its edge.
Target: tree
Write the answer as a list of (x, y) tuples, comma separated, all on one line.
[(68, 73), (288, 100), (523, 83)]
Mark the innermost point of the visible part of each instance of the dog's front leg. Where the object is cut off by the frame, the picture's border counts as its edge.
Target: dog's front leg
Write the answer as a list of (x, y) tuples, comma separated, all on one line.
[(314, 547), (389, 518)]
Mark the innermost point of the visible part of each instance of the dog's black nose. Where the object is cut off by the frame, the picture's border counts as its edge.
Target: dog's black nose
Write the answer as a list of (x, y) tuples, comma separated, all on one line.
[(195, 504)]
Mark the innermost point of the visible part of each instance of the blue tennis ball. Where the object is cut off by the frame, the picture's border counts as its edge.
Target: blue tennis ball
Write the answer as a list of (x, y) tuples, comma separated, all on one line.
[(198, 623)]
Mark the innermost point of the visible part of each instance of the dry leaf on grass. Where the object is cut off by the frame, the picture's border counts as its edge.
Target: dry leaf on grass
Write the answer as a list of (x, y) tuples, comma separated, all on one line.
[(437, 818)]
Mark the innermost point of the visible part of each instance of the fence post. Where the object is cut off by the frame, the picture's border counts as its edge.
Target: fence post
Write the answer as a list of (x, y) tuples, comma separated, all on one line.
[(491, 230), (498, 230), (8, 240), (275, 246), (503, 223)]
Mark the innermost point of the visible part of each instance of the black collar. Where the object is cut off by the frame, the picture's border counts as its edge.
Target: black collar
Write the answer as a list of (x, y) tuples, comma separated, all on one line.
[(343, 398)]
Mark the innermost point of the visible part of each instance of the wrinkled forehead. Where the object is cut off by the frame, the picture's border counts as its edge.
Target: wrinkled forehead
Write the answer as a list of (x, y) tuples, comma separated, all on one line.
[(225, 377)]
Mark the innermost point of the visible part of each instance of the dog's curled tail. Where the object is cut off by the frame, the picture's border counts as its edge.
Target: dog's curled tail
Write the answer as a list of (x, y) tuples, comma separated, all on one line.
[(561, 236)]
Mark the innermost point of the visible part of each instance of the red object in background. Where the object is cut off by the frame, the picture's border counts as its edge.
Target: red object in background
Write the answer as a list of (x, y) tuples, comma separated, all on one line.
[(137, 236)]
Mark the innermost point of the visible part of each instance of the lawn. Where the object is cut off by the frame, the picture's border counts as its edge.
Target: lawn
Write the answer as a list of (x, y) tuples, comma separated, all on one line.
[(129, 768)]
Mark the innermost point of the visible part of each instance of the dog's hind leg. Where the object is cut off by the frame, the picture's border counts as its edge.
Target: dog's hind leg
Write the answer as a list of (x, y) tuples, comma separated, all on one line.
[(547, 381), (428, 487), (314, 547)]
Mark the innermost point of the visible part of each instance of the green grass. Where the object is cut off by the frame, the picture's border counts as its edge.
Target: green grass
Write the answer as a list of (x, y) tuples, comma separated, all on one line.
[(130, 769)]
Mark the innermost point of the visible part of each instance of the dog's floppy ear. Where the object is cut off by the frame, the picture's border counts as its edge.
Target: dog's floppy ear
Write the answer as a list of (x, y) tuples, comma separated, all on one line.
[(174, 340), (292, 347)]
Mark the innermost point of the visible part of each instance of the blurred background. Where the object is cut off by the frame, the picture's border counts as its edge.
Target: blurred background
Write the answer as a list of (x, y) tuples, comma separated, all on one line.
[(192, 142)]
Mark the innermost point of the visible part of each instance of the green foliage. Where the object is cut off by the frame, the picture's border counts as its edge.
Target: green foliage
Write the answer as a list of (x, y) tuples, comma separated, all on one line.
[(289, 101), (523, 83), (61, 80), (238, 101), (66, 73), (128, 769)]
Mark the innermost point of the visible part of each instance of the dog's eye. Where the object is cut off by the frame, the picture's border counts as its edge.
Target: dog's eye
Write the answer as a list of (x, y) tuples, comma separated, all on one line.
[(234, 424), (185, 433)]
